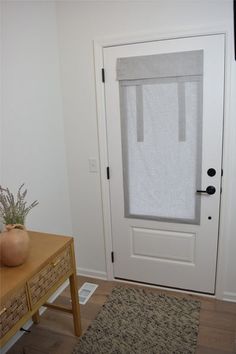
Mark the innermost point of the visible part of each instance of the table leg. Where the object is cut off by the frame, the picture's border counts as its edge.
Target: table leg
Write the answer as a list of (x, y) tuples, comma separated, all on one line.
[(36, 317), (75, 304)]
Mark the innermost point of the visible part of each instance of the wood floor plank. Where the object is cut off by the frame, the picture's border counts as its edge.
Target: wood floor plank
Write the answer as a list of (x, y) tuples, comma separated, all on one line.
[(220, 320), (43, 341), (205, 350), (217, 339), (58, 322)]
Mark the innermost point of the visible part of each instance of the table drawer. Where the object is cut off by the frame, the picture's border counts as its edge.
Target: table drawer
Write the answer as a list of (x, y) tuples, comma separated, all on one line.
[(12, 310), (45, 279)]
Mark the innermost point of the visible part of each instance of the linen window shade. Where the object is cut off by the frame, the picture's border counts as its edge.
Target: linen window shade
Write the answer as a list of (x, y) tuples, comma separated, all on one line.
[(160, 103)]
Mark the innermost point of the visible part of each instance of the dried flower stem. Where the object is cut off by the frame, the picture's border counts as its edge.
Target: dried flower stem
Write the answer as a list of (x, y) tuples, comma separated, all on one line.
[(14, 211)]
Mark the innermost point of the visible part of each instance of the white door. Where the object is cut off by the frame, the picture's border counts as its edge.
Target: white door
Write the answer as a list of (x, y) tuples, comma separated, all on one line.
[(164, 111)]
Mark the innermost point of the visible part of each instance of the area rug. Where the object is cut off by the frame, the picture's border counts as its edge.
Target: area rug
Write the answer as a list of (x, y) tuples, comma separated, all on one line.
[(136, 321)]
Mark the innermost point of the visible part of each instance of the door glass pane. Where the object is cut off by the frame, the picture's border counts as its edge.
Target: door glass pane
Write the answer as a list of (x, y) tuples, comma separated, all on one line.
[(161, 122)]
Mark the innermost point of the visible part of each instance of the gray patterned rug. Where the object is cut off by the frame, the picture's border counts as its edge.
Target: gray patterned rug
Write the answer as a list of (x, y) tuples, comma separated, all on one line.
[(135, 321)]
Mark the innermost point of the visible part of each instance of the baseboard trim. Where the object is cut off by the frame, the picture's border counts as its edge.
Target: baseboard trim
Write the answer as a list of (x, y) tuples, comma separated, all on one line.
[(228, 296), (92, 273), (29, 323)]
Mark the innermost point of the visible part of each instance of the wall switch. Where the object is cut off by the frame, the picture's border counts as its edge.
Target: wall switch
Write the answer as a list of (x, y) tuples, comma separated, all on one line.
[(93, 167)]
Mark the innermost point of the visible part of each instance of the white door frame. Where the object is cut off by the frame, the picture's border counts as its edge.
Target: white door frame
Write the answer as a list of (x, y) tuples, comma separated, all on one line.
[(99, 45)]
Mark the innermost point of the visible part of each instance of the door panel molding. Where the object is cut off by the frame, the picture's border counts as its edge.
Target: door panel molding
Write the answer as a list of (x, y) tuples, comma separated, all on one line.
[(183, 245)]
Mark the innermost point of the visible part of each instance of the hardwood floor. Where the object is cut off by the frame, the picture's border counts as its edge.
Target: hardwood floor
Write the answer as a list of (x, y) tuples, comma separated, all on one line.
[(54, 334)]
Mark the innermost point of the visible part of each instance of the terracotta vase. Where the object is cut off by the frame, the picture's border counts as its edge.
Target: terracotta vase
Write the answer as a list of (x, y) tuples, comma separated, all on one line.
[(14, 245)]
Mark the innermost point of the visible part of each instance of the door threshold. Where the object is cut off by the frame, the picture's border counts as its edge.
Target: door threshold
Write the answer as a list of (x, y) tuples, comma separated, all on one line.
[(166, 288)]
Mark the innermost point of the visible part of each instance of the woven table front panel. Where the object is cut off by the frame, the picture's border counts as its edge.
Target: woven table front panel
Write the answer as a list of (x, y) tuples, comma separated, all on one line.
[(12, 311), (43, 281)]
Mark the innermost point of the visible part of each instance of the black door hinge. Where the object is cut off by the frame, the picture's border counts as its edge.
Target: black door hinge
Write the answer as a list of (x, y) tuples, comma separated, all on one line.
[(103, 75), (112, 257), (222, 172), (108, 172)]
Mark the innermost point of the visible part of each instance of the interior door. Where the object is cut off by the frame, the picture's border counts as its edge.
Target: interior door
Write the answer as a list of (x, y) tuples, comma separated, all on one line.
[(164, 112)]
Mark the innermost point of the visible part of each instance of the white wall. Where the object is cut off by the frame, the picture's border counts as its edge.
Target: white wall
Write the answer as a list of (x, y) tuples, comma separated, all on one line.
[(79, 23), (32, 130)]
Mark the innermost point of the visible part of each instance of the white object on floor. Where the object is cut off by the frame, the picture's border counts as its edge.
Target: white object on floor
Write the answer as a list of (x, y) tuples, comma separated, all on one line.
[(86, 291)]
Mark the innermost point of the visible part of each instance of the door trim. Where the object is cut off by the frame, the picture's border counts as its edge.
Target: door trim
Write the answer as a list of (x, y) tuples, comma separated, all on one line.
[(228, 139)]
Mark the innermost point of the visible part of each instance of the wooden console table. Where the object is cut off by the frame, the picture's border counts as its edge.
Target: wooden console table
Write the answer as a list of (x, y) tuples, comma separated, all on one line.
[(24, 289)]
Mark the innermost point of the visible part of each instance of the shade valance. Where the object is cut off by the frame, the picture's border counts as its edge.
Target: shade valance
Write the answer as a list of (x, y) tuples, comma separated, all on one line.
[(160, 65)]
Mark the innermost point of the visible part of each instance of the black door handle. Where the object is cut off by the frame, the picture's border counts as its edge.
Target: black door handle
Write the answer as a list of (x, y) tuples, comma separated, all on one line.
[(209, 190)]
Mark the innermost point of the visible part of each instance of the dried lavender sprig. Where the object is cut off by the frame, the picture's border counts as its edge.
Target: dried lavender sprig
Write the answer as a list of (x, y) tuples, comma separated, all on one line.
[(14, 211)]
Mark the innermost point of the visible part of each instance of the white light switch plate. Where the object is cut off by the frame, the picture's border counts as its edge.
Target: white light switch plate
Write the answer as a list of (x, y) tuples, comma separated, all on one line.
[(93, 167)]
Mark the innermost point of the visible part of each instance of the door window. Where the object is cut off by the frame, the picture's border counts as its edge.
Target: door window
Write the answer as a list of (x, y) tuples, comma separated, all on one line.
[(161, 123)]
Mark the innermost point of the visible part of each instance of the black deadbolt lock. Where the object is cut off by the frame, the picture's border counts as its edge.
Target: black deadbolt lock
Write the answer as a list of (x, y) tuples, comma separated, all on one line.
[(209, 190), (211, 172)]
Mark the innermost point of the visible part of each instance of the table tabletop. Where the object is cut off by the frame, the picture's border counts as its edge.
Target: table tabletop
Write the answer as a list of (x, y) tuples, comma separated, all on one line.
[(43, 246)]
